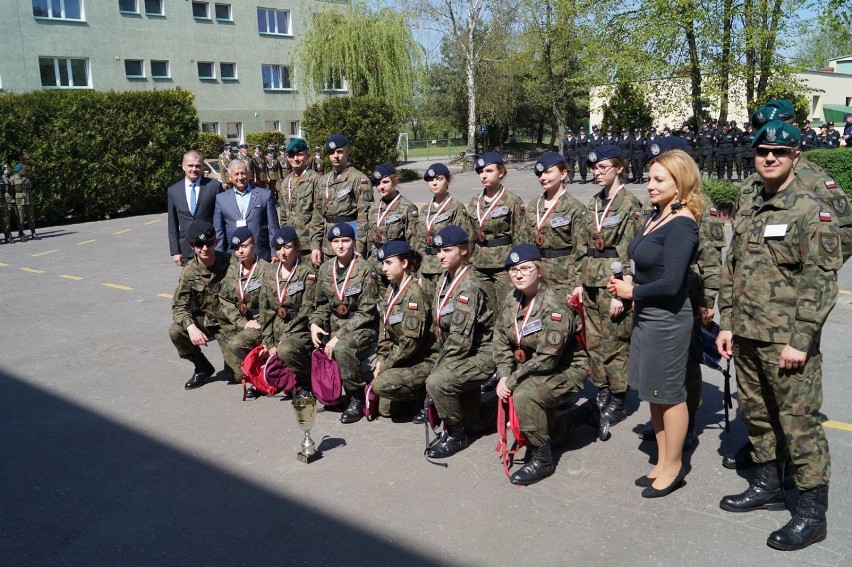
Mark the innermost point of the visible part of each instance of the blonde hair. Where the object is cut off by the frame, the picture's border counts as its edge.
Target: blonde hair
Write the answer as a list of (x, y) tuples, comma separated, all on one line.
[(687, 178)]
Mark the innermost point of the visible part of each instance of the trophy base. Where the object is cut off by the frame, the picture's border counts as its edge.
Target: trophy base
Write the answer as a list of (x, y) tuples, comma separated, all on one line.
[(308, 459)]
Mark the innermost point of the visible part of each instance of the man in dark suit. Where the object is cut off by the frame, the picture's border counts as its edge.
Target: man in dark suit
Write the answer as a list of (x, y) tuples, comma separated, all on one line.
[(191, 198), (245, 205)]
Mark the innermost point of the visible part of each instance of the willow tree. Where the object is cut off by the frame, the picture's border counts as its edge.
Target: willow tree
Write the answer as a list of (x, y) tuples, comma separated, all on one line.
[(370, 52)]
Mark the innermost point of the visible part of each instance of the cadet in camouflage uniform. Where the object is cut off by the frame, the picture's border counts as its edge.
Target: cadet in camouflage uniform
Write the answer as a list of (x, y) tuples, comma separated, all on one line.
[(7, 208), (499, 224), (538, 357), (224, 160), (195, 306), (239, 301), (614, 216), (554, 223), (464, 322), (346, 314), (298, 191), (273, 170), (443, 210), (406, 351), (258, 175), (286, 304), (23, 189), (778, 286), (344, 195)]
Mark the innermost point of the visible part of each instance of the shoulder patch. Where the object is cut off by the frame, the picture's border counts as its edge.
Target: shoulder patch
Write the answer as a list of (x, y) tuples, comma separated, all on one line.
[(463, 298), (717, 232), (412, 305), (459, 317), (829, 242), (556, 316), (364, 181), (312, 277), (523, 208), (374, 275), (637, 215), (825, 216), (830, 184), (840, 204), (415, 213), (554, 338)]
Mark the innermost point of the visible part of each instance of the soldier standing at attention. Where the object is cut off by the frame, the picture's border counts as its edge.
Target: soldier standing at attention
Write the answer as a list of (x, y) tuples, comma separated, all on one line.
[(614, 217), (224, 159), (298, 191), (571, 151), (772, 315), (583, 148), (595, 139), (637, 156), (464, 322), (345, 322), (706, 141), (24, 201), (273, 170), (344, 195), (499, 224), (690, 139), (738, 142), (258, 175), (7, 208), (610, 138), (725, 143), (195, 305), (746, 156), (242, 153)]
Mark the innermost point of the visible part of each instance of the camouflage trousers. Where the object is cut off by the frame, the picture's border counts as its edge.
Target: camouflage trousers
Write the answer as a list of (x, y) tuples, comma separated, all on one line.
[(10, 214), (454, 388), (294, 350), (497, 286), (239, 344), (189, 351), (536, 399), (783, 407), (608, 340), (349, 352), (402, 388)]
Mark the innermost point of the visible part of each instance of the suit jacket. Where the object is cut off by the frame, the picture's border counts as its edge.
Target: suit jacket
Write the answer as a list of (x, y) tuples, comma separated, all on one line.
[(179, 217), (261, 219)]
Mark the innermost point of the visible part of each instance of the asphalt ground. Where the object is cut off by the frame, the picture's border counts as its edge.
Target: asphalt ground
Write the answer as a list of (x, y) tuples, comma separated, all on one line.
[(106, 460)]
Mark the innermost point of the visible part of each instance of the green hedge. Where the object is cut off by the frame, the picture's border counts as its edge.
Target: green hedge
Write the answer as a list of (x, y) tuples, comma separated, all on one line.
[(210, 144), (266, 139), (94, 155), (722, 193), (838, 163), (369, 122)]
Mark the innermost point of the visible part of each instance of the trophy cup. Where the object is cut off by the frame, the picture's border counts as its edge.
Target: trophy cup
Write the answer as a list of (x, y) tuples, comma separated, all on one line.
[(306, 414)]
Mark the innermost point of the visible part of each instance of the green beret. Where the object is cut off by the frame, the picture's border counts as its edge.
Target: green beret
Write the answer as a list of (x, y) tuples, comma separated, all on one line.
[(296, 145), (776, 133), (18, 167)]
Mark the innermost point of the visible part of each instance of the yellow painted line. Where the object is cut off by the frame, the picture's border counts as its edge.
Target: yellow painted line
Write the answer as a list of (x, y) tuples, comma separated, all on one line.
[(32, 271), (845, 292), (166, 295), (153, 222), (117, 286), (838, 425), (67, 277), (4, 264), (123, 231), (44, 253), (86, 242)]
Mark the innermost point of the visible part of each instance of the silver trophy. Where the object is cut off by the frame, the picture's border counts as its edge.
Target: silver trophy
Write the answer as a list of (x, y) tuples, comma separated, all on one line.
[(306, 413)]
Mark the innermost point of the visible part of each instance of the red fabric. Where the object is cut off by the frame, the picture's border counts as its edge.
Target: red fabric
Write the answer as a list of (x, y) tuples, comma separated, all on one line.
[(279, 375), (254, 370), (576, 302), (506, 454), (325, 378)]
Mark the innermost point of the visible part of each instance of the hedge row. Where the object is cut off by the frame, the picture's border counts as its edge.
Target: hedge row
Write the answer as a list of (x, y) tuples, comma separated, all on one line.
[(94, 155), (837, 162), (210, 144)]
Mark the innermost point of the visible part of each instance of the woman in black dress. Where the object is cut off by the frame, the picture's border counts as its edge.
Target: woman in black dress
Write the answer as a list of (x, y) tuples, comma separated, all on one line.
[(662, 326)]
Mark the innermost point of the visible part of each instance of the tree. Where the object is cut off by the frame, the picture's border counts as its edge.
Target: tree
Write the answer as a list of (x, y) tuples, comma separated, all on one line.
[(627, 107)]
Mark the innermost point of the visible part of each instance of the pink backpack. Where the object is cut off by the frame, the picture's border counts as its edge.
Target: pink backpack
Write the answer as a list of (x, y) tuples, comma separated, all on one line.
[(325, 378)]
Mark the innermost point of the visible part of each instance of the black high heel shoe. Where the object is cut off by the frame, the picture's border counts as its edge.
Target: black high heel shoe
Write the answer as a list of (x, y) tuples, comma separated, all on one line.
[(644, 481), (651, 492)]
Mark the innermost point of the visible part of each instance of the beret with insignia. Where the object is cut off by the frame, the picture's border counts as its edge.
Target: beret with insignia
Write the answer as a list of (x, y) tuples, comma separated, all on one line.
[(200, 231), (341, 230), (284, 235), (604, 152), (487, 159), (394, 248), (335, 141), (241, 235), (522, 253), (382, 170), (296, 145), (450, 235), (547, 161), (436, 170)]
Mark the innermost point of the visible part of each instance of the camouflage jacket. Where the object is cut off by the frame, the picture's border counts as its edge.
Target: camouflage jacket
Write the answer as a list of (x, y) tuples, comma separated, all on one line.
[(506, 220), (348, 194), (297, 303), (196, 296), (454, 213), (405, 334), (400, 223), (779, 282), (296, 204), (360, 295), (465, 321), (231, 317), (618, 229)]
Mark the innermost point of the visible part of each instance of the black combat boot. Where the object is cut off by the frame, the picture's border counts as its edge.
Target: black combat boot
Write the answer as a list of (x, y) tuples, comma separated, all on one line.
[(203, 371), (8, 237), (764, 493), (452, 440), (21, 236), (741, 459), (490, 384), (420, 417), (615, 412), (603, 397), (808, 524), (34, 236), (355, 410), (540, 467)]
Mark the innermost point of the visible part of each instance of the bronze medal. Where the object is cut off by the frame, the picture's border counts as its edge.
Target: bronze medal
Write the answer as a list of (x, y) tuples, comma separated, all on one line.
[(481, 236), (342, 310), (429, 240), (282, 312), (378, 237), (599, 244), (243, 307), (520, 355), (539, 239)]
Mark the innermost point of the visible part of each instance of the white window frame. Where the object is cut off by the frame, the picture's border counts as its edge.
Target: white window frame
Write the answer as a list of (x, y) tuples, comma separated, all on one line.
[(239, 127), (135, 8), (279, 68), (212, 76), (141, 63), (236, 76), (230, 17), (344, 87), (206, 17), (61, 16), (272, 125), (159, 14), (168, 74), (296, 128), (271, 22), (56, 74), (215, 125)]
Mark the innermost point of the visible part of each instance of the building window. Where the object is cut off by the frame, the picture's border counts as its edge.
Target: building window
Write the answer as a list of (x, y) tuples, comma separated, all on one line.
[(223, 13), (63, 72), (128, 6), (276, 77), (134, 68), (275, 22), (212, 127), (228, 71), (154, 7), (234, 131), (58, 9), (296, 128), (336, 85), (201, 10), (272, 125), (160, 69), (206, 70)]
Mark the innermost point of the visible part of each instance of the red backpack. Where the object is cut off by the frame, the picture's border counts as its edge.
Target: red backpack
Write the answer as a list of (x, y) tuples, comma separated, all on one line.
[(506, 454), (268, 374)]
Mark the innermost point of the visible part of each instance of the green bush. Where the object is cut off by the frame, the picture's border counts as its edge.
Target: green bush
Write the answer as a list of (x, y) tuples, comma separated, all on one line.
[(368, 122), (210, 144), (266, 139), (406, 175), (93, 154), (722, 193), (838, 163)]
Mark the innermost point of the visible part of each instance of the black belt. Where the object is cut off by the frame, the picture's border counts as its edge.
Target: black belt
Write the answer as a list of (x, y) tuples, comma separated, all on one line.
[(608, 252), (502, 241), (555, 252), (341, 218), (431, 251)]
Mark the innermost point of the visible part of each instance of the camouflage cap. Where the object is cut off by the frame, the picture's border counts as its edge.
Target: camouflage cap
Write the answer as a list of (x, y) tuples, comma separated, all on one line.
[(776, 133)]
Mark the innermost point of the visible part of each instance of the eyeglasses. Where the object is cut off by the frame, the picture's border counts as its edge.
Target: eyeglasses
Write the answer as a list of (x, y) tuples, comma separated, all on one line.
[(207, 243), (777, 152), (522, 270), (603, 168)]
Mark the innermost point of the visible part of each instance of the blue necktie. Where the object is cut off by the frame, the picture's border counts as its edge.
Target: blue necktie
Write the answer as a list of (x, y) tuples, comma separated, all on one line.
[(192, 198)]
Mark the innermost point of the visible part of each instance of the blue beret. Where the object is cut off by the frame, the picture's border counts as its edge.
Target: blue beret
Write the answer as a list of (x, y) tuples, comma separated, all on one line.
[(606, 151), (18, 167), (296, 145), (451, 235), (436, 170), (547, 161), (663, 145), (240, 235), (341, 230), (846, 116), (335, 141), (776, 133), (522, 253), (284, 235), (773, 110), (394, 248), (382, 170), (487, 159), (637, 130), (652, 129), (200, 231)]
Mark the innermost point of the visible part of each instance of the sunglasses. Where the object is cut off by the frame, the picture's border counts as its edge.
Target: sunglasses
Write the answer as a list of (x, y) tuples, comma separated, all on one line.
[(207, 243), (777, 152)]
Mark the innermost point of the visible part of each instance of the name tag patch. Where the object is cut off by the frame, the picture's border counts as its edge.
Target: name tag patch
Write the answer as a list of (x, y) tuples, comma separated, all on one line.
[(352, 290), (531, 327), (392, 219), (500, 212), (560, 221), (448, 308), (343, 192), (253, 285), (394, 319), (611, 221), (442, 217), (775, 231), (295, 288)]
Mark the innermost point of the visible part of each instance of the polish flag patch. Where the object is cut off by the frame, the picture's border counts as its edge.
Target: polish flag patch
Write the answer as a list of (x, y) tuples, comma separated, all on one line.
[(830, 184), (556, 316), (825, 216), (312, 278), (412, 305), (714, 212), (463, 299)]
